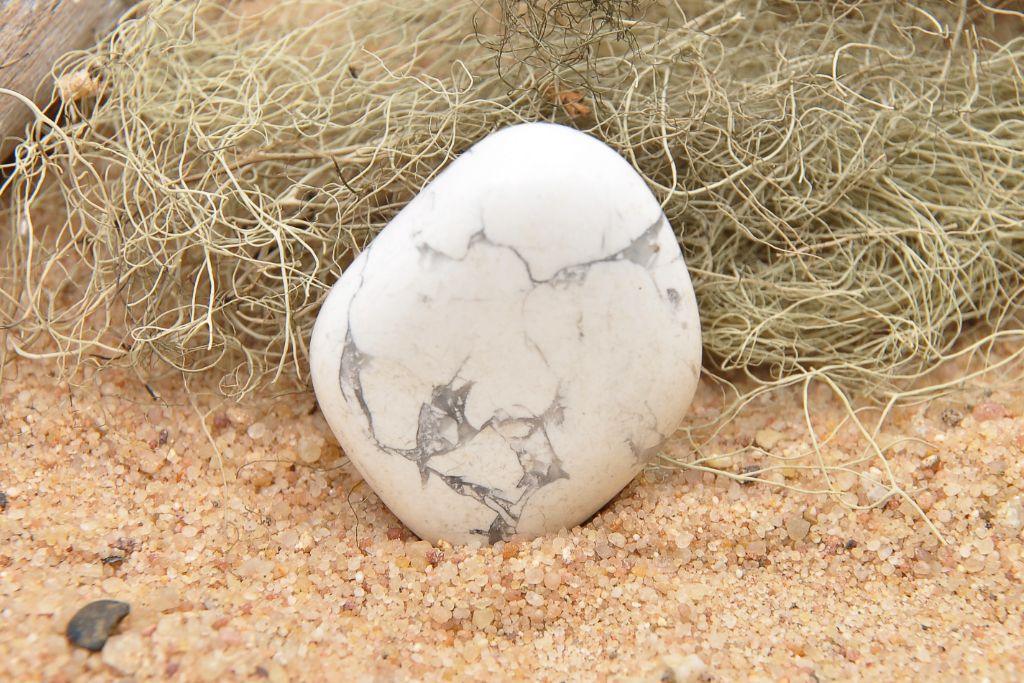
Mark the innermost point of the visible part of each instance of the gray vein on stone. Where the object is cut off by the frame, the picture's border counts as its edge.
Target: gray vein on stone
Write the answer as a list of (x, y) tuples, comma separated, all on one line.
[(642, 455), (641, 251), (537, 458), (536, 455)]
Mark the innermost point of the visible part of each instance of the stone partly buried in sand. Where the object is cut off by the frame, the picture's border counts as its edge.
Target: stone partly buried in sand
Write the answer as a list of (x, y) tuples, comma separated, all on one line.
[(508, 352), (93, 624)]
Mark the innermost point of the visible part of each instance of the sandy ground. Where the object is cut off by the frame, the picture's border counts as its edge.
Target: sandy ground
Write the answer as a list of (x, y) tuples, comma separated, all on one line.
[(254, 553)]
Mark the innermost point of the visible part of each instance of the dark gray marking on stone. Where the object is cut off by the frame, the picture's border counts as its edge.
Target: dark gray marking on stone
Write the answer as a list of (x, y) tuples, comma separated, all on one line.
[(353, 360), (447, 405), (654, 419), (536, 347), (642, 251), (641, 454), (533, 448)]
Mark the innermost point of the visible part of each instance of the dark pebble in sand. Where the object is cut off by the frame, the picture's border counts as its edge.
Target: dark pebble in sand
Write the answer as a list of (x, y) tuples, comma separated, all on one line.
[(93, 624), (952, 417), (3, 502)]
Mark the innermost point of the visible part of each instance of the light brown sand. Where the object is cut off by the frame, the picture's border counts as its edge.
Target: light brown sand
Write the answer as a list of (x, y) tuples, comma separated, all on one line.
[(286, 571)]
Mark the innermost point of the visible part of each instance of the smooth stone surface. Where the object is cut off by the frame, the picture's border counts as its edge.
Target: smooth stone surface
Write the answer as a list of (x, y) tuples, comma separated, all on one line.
[(93, 624), (507, 353)]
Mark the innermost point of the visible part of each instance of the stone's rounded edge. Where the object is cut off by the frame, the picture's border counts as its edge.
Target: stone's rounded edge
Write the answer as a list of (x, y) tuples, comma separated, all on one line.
[(537, 137), (545, 141), (325, 346), (327, 342), (559, 196), (574, 155), (577, 158)]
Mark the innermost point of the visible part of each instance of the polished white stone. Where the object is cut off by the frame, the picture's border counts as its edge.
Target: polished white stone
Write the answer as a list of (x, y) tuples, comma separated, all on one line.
[(507, 353)]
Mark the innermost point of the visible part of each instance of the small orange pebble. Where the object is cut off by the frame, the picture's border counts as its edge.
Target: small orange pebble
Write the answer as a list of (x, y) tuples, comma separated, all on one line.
[(571, 101), (833, 545), (988, 410)]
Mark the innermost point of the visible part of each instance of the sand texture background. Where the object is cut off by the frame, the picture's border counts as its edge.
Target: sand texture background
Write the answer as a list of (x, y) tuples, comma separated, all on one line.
[(248, 550)]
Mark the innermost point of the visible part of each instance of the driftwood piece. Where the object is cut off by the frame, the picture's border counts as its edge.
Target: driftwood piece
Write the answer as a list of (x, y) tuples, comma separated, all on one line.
[(33, 35)]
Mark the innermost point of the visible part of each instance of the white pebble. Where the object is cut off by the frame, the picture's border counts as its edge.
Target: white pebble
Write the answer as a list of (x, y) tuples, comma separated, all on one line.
[(256, 431), (464, 359)]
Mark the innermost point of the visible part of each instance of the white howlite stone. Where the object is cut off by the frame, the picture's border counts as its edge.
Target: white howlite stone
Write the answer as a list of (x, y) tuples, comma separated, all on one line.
[(508, 352)]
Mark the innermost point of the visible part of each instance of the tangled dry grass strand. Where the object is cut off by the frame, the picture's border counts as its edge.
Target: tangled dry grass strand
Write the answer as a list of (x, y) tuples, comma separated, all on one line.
[(847, 179)]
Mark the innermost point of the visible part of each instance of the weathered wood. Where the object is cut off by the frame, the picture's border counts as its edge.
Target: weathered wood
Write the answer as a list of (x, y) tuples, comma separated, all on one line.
[(33, 35)]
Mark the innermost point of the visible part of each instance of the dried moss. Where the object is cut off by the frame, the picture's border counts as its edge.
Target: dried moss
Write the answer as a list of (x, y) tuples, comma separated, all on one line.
[(847, 179)]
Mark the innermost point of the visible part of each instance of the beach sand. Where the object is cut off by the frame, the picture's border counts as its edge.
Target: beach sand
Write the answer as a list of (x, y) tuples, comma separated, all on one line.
[(249, 550)]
